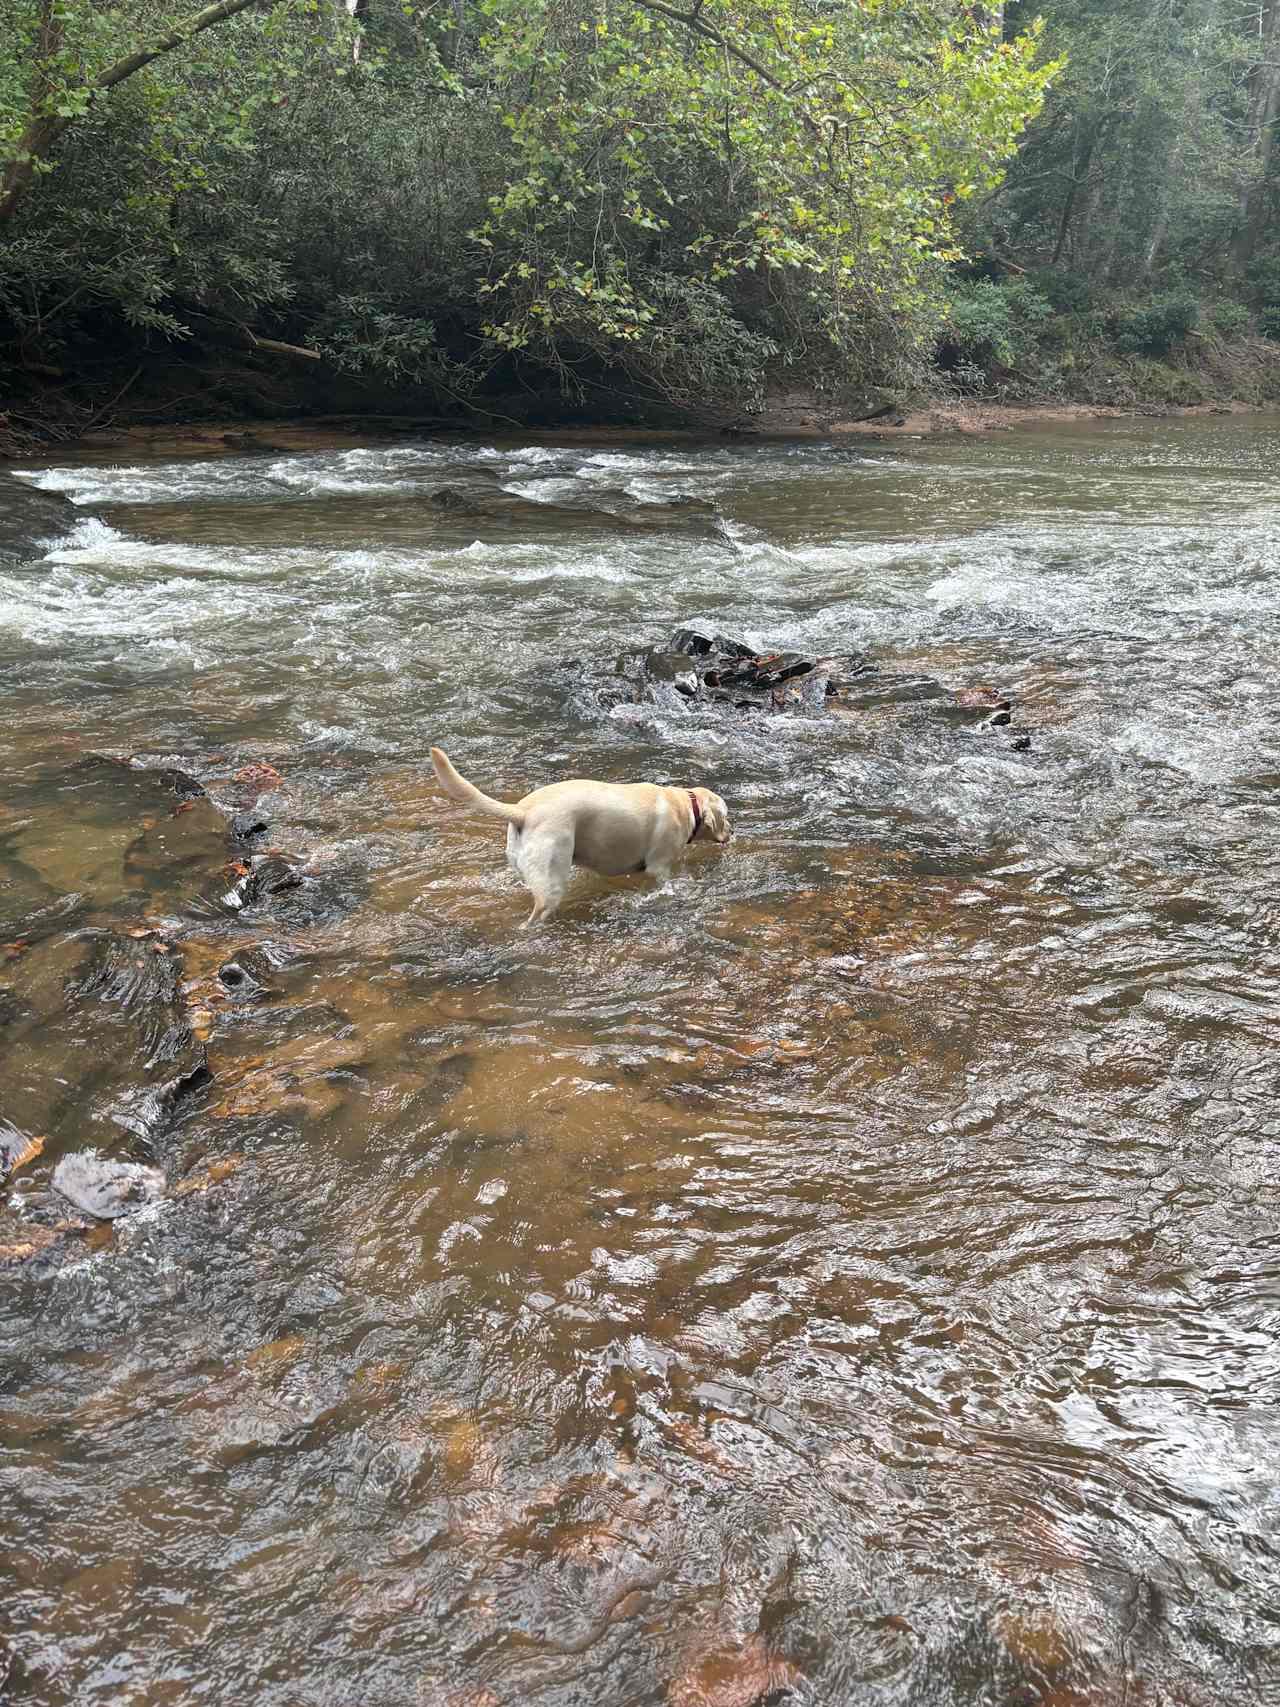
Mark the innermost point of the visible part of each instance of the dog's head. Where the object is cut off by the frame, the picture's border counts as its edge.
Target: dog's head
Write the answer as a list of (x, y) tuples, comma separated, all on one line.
[(715, 825)]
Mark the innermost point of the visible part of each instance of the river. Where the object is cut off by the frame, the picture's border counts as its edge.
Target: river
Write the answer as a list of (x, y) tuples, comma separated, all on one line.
[(848, 1274)]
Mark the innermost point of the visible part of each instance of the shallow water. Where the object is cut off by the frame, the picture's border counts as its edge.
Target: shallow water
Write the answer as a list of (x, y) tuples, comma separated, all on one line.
[(846, 1275)]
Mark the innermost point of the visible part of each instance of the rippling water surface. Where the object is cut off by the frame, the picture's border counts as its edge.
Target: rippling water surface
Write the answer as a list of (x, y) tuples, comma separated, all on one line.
[(846, 1275)]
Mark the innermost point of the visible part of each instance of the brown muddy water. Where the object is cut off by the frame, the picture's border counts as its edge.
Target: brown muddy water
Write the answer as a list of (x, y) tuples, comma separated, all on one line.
[(848, 1275)]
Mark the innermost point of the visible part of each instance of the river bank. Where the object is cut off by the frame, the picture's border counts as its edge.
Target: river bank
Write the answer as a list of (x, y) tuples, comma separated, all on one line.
[(802, 418)]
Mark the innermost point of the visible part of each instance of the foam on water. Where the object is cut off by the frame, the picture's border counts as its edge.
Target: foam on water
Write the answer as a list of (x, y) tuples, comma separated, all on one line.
[(549, 489), (200, 480)]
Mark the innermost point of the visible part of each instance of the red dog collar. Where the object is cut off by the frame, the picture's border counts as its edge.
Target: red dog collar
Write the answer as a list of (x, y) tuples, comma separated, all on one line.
[(697, 814)]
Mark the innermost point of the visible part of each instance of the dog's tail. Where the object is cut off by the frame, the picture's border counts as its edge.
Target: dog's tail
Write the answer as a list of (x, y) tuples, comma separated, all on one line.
[(458, 788)]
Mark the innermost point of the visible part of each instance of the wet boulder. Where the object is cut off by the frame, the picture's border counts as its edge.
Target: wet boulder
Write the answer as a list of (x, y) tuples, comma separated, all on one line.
[(673, 668), (250, 883), (106, 1189), (769, 670), (718, 669), (270, 876), (274, 886), (699, 645), (31, 518)]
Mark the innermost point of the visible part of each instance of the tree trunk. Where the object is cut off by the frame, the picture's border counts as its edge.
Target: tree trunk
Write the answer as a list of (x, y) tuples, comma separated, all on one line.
[(1263, 122), (1079, 176)]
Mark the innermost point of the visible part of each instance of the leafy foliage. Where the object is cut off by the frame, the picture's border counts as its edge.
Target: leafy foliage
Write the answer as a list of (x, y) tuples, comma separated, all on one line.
[(689, 201), (1142, 203), (1162, 322), (994, 324)]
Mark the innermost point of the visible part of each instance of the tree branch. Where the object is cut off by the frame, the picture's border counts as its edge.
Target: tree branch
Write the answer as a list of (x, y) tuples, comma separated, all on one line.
[(692, 21), (193, 27), (43, 128)]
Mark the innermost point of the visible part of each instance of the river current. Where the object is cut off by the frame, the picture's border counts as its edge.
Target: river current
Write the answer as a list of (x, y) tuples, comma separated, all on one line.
[(847, 1274)]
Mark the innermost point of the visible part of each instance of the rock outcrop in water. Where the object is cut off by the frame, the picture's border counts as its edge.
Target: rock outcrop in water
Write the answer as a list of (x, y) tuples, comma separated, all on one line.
[(719, 670), (30, 517), (716, 671), (168, 897)]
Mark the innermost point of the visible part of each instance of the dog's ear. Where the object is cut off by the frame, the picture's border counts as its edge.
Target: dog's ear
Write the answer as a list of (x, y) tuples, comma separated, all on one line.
[(715, 817)]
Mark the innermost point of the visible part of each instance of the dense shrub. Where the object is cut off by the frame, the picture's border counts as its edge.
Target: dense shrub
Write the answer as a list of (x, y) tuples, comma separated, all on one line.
[(1158, 325), (1066, 292), (1230, 319), (991, 325)]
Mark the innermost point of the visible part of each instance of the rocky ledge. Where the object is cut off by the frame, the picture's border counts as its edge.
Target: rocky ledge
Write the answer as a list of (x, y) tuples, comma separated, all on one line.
[(29, 518), (719, 672)]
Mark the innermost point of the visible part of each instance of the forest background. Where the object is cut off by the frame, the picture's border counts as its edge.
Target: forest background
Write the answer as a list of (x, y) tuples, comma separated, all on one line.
[(631, 210)]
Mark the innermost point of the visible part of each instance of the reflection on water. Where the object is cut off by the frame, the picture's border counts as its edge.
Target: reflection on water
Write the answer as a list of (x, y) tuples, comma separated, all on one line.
[(847, 1274)]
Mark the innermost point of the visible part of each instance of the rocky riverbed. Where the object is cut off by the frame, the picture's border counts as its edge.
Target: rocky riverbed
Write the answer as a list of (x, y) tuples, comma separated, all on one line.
[(840, 1275)]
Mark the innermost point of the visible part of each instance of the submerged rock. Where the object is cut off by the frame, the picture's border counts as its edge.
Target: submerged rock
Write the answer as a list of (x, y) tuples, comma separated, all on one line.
[(673, 667), (149, 1111), (17, 1148), (244, 826), (30, 517), (177, 782), (450, 498), (25, 1241), (246, 976), (139, 977), (106, 1189), (102, 829), (741, 1672)]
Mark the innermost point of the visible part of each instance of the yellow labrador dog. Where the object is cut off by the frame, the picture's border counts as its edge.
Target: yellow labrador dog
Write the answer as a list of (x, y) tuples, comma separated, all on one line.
[(610, 827)]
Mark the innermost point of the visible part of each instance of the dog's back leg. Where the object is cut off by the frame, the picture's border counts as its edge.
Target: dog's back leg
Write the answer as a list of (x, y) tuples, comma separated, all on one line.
[(544, 860)]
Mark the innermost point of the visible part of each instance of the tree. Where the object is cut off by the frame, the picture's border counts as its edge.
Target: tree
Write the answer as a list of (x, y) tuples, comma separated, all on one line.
[(1153, 157), (681, 197), (792, 160), (1261, 124), (68, 57)]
